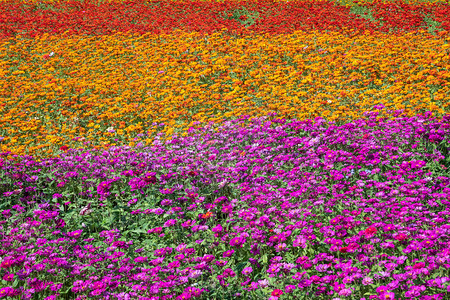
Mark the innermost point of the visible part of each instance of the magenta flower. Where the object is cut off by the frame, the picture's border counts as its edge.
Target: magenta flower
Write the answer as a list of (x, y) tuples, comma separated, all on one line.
[(387, 296), (253, 286), (315, 279), (221, 263), (367, 281), (155, 230), (289, 289), (8, 277), (140, 259), (217, 229), (277, 293), (7, 263), (428, 244), (184, 296), (228, 253), (4, 292), (103, 188), (419, 266), (247, 270), (280, 247), (75, 234), (345, 292), (208, 258), (382, 289), (237, 241), (170, 223), (173, 265), (228, 273)]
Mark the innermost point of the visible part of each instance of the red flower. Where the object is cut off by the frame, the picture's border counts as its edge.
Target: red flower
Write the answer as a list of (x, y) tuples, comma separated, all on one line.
[(192, 173), (406, 17), (401, 237), (63, 148), (343, 250), (370, 231), (277, 293)]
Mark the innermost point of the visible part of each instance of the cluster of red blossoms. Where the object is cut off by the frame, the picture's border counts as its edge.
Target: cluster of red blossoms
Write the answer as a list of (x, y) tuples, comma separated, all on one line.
[(139, 16)]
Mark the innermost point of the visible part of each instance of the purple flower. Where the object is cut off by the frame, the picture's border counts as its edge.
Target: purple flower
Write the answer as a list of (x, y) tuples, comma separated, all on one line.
[(22, 274), (345, 292), (237, 241), (184, 296), (39, 267), (253, 286), (179, 257), (428, 244), (228, 253), (8, 277), (97, 292), (322, 268), (289, 288), (208, 258), (136, 184), (170, 223), (103, 188), (173, 265), (273, 269), (247, 270), (280, 247), (367, 281), (56, 287), (387, 296), (4, 292), (228, 273), (263, 283), (221, 263), (217, 229), (140, 259), (382, 289), (75, 234), (315, 279)]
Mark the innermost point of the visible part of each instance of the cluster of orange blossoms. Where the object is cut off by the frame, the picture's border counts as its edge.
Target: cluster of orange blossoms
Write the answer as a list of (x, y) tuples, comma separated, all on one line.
[(62, 91)]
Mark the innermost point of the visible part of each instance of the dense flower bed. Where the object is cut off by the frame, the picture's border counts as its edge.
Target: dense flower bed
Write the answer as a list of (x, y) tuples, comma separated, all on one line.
[(104, 17), (248, 209), (269, 150), (124, 88)]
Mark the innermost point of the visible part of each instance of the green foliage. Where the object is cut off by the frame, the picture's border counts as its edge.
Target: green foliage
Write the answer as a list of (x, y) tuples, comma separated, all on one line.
[(243, 16)]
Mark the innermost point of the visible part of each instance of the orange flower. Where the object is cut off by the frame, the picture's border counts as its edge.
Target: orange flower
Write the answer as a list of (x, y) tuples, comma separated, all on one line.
[(207, 215), (338, 84)]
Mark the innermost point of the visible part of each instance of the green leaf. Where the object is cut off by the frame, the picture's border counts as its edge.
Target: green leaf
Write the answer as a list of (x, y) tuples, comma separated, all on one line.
[(240, 267), (16, 282), (264, 259)]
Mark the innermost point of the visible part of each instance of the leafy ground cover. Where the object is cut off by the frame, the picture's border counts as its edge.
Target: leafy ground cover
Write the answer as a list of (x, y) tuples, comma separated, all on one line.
[(269, 150)]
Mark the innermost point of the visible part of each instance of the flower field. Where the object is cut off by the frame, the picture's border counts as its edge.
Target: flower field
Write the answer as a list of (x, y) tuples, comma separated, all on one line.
[(224, 150)]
